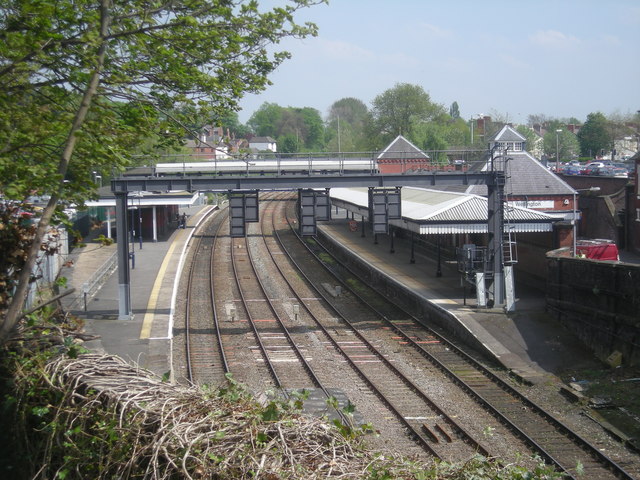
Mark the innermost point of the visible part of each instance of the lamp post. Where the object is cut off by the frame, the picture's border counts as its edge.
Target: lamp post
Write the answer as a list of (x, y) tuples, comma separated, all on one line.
[(558, 150), (573, 220)]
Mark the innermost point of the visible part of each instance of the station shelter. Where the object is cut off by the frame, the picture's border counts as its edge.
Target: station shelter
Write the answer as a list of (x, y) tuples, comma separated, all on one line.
[(153, 215)]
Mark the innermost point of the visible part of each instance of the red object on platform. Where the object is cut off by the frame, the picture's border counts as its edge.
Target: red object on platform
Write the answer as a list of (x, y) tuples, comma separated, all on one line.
[(598, 250)]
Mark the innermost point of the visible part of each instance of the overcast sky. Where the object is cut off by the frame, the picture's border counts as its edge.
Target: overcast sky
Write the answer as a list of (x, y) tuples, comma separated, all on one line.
[(560, 58)]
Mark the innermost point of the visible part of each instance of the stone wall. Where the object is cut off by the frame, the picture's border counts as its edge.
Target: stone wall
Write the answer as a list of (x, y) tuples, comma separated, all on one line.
[(598, 301)]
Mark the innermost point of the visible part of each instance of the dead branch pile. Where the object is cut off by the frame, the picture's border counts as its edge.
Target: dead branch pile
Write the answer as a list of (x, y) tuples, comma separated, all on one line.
[(160, 431)]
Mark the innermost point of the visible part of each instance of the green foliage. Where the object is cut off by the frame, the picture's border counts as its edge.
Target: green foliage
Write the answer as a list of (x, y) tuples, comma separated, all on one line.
[(271, 413), (595, 136), (530, 135), (16, 234), (395, 110), (157, 61), (288, 143), (86, 85), (454, 111), (431, 138), (295, 129), (563, 143), (233, 391), (265, 121), (103, 241), (64, 429), (348, 124)]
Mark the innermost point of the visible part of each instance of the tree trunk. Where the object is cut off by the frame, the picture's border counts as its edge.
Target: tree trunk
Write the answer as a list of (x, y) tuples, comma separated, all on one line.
[(14, 311)]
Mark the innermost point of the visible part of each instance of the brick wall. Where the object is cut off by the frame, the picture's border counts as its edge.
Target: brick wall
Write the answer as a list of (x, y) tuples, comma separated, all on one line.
[(598, 301)]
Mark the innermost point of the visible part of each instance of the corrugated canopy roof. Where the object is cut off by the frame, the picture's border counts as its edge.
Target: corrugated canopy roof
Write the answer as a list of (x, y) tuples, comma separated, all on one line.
[(434, 211)]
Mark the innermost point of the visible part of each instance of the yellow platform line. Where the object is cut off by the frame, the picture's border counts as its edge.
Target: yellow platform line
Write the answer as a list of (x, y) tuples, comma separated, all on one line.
[(149, 315)]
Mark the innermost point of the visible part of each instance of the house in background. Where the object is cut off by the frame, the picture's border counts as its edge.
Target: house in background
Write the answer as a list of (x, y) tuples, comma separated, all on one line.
[(529, 185), (262, 144), (214, 144), (401, 155)]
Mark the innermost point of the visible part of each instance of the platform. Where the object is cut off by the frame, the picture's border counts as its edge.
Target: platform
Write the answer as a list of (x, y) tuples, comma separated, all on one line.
[(145, 339), (528, 342)]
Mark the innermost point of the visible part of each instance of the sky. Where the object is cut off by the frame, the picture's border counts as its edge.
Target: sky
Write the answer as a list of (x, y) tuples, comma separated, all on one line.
[(506, 59)]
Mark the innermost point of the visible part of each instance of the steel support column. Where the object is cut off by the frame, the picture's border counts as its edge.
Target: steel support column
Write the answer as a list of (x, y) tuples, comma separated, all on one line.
[(494, 244), (125, 311)]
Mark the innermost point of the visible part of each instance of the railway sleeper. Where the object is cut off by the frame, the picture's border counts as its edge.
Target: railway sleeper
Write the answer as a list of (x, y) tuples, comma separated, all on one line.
[(444, 433), (430, 433)]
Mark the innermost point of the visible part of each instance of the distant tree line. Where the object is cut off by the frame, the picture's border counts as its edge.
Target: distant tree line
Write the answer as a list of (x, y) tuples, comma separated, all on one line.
[(408, 110)]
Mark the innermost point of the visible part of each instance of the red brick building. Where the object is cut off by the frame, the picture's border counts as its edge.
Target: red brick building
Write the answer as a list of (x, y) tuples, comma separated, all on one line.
[(401, 155)]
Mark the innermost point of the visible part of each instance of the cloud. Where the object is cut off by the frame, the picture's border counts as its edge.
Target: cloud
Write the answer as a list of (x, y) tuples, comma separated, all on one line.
[(435, 31), (514, 62), (631, 16), (610, 40), (341, 51), (400, 60), (553, 39)]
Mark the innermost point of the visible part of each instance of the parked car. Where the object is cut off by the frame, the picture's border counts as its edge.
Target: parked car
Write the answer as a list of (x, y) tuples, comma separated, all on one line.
[(572, 170), (590, 167), (610, 171)]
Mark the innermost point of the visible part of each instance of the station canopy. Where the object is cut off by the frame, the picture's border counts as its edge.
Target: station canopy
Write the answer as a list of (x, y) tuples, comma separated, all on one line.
[(434, 212), (145, 199)]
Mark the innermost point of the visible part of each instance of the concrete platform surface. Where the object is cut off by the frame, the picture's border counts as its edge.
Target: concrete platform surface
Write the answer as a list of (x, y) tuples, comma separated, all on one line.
[(145, 339)]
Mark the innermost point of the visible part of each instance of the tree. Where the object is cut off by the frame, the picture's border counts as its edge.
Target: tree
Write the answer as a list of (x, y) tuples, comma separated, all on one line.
[(349, 110), (288, 143), (229, 120), (562, 144), (347, 123), (594, 136), (82, 80), (303, 124), (395, 109), (266, 120), (537, 119), (430, 136), (314, 126)]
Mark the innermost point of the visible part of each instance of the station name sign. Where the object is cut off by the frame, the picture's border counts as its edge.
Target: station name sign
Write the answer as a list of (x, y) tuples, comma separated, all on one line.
[(546, 204)]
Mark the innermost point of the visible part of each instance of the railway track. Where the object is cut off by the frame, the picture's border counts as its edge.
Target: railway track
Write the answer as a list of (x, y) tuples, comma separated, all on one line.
[(251, 321), (428, 423), (261, 318), (547, 436), (205, 357)]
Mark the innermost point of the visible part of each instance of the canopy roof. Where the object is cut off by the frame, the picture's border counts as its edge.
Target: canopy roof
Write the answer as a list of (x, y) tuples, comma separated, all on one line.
[(430, 211)]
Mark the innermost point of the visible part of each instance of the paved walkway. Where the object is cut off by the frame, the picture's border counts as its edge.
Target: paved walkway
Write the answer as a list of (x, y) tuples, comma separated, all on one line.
[(146, 338)]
